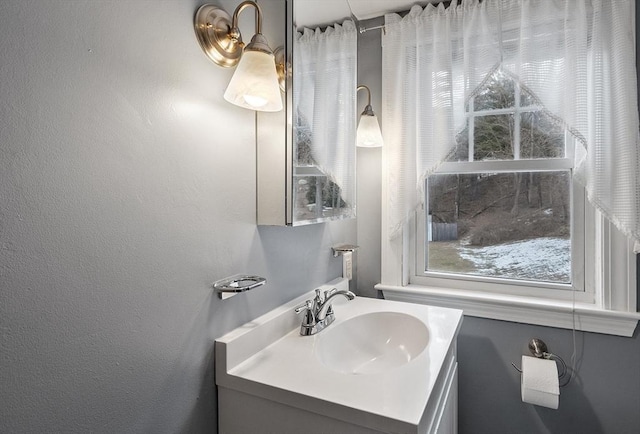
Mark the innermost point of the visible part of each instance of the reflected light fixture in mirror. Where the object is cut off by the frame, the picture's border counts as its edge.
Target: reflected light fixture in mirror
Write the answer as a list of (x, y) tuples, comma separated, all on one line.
[(254, 84), (368, 134)]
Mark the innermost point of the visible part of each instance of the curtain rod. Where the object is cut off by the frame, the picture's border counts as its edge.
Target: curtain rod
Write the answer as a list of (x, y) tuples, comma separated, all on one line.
[(367, 29), (363, 29)]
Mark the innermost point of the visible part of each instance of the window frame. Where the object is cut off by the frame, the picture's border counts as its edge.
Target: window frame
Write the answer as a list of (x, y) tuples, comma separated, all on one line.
[(579, 263), (601, 255)]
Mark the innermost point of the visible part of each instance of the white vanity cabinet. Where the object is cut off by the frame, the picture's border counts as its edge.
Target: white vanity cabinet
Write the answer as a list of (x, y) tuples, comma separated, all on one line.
[(445, 421), (241, 412), (272, 380)]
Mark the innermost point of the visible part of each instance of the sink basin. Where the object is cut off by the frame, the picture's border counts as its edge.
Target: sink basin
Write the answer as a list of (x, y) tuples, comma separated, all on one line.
[(372, 343)]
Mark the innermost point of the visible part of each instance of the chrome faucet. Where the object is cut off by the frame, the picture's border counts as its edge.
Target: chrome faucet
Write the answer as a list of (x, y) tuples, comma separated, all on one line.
[(318, 313)]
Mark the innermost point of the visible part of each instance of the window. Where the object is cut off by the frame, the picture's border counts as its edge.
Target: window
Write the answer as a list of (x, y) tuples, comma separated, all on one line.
[(506, 234), (497, 226), (503, 207)]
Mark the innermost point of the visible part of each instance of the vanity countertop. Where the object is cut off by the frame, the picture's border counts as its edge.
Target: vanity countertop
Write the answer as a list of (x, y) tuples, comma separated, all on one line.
[(268, 358)]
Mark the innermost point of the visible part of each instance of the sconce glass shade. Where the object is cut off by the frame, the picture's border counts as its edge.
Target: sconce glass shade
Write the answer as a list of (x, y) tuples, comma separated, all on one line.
[(368, 134), (254, 84)]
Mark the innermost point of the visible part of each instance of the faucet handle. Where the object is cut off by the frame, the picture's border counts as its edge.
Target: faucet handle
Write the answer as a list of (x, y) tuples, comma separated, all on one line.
[(309, 316), (307, 305), (329, 292)]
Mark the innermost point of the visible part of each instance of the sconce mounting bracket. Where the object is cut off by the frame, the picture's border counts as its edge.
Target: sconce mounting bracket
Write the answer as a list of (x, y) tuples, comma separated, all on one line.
[(213, 27)]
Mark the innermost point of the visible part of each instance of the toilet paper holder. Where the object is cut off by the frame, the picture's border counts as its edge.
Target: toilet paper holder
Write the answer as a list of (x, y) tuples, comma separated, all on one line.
[(539, 349)]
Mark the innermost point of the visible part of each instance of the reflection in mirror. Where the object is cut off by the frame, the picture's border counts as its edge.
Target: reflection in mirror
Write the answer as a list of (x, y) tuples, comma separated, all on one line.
[(324, 122)]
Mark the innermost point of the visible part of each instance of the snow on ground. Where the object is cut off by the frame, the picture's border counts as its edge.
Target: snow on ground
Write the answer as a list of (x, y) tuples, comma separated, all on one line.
[(547, 259)]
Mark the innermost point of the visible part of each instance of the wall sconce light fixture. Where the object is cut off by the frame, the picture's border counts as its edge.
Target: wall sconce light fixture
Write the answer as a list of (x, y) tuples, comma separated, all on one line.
[(368, 134), (254, 84)]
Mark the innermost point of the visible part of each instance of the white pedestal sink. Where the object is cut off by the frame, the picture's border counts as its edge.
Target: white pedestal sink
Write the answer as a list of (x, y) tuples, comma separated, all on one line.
[(382, 366)]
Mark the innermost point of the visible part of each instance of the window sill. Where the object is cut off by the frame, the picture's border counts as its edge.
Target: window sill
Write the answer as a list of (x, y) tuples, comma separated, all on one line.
[(544, 312)]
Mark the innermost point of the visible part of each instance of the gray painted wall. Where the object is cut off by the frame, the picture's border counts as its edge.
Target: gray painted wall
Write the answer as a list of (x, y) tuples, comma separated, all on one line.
[(369, 165), (603, 398), (127, 185), (124, 192)]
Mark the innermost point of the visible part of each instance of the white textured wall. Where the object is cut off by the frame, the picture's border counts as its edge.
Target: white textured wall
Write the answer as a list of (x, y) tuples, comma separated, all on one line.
[(126, 188)]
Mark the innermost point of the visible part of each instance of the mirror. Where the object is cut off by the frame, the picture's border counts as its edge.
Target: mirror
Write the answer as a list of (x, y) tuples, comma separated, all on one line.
[(319, 159), (323, 116), (307, 154)]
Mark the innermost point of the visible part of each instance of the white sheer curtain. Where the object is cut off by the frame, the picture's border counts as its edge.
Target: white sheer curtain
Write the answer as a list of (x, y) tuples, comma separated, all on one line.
[(324, 92), (576, 57)]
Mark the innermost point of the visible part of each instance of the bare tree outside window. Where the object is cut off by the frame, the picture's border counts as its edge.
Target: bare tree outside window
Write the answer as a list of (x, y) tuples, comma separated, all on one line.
[(502, 223)]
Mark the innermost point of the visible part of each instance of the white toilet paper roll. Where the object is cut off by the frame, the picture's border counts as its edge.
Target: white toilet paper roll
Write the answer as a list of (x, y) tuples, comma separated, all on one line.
[(539, 382)]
